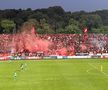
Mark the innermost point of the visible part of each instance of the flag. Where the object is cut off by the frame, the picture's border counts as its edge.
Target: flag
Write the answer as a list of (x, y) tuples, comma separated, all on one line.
[(85, 30)]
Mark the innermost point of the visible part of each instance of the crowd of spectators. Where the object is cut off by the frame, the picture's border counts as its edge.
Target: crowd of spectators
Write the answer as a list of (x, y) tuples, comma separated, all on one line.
[(5, 41), (64, 44), (75, 43)]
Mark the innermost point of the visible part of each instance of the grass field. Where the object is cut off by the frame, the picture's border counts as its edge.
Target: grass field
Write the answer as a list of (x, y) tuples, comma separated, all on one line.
[(75, 74)]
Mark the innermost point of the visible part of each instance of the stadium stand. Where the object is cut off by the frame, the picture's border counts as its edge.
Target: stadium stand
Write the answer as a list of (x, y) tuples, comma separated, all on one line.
[(63, 44)]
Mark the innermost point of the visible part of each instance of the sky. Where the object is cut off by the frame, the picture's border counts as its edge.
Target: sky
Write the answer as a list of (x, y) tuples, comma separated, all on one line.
[(68, 5)]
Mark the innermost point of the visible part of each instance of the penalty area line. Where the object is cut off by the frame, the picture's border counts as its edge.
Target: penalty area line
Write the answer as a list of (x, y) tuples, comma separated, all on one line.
[(93, 66)]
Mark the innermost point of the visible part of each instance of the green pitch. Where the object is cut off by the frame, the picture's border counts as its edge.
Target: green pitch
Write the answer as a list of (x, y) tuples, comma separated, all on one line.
[(75, 74)]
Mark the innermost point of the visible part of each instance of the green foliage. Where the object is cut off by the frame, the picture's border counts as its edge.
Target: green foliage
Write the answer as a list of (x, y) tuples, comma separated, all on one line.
[(34, 22), (90, 21), (96, 30), (46, 27), (57, 20), (104, 15), (73, 27), (61, 30), (40, 31), (7, 25), (104, 29), (28, 25)]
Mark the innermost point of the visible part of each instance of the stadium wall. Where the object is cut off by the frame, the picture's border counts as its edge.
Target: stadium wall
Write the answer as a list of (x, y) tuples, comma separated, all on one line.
[(104, 55)]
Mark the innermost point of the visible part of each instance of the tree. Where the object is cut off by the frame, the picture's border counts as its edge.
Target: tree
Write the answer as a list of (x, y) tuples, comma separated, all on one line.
[(37, 15), (96, 30), (7, 25), (104, 29), (28, 25), (57, 10), (46, 27), (18, 22), (40, 31), (73, 27), (103, 14), (60, 30), (90, 21), (34, 21)]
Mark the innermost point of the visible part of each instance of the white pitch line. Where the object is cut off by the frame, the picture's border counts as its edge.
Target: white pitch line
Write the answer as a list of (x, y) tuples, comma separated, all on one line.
[(88, 70), (93, 66)]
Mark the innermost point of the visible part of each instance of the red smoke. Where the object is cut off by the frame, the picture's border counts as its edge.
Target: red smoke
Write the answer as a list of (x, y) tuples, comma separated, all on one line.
[(83, 47), (28, 41)]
